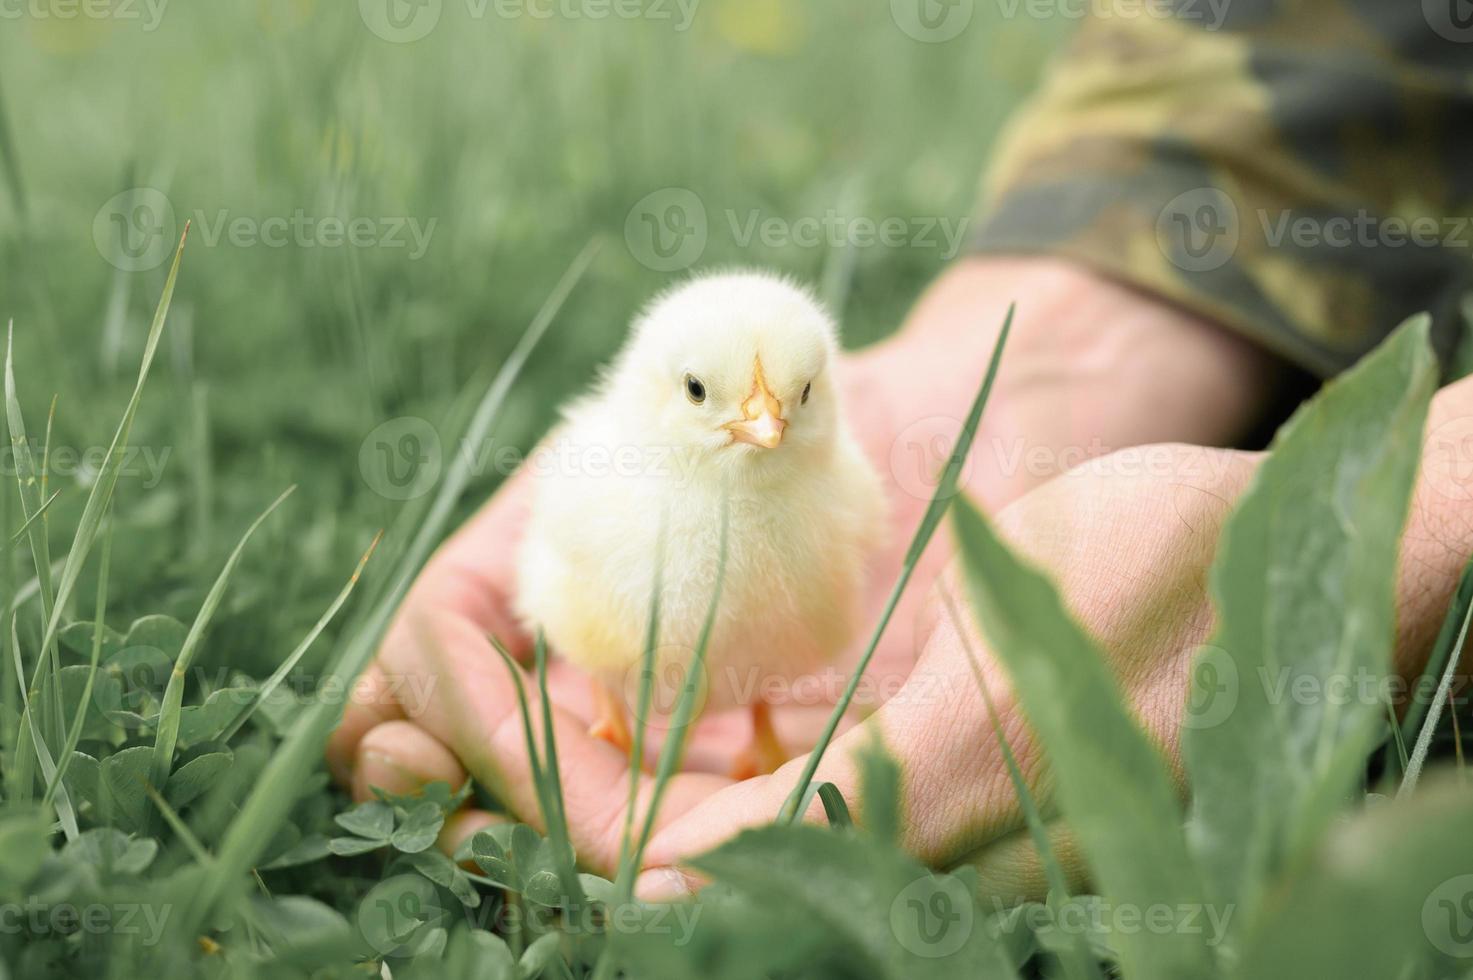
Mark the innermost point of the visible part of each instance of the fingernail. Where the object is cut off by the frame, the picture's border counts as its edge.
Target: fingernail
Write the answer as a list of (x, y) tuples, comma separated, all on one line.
[(662, 885)]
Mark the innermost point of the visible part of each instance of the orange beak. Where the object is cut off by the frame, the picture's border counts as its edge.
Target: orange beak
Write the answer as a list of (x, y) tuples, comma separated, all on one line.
[(762, 421)]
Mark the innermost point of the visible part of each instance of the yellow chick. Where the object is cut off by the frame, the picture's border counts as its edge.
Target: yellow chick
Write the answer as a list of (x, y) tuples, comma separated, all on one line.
[(723, 391)]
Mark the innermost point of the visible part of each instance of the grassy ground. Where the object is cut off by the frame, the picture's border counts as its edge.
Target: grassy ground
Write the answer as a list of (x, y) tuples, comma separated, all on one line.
[(479, 162)]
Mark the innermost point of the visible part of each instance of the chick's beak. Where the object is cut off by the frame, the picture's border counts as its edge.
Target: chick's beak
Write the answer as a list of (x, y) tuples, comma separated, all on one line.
[(762, 422)]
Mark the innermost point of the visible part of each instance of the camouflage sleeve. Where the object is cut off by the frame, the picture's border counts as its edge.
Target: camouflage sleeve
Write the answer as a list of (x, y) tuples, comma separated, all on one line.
[(1302, 172)]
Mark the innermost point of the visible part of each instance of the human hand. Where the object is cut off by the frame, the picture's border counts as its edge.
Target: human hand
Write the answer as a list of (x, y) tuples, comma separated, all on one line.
[(1084, 372)]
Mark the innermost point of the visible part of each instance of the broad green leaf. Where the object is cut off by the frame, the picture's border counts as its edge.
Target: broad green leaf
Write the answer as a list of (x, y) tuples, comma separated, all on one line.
[(24, 844), (125, 774), (190, 780), (1304, 589), (374, 820), (1112, 783), (313, 847), (419, 828), (1378, 894), (892, 916), (108, 846), (349, 846), (445, 873), (475, 954)]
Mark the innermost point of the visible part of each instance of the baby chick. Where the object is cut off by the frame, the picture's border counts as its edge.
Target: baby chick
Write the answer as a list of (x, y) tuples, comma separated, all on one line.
[(723, 395)]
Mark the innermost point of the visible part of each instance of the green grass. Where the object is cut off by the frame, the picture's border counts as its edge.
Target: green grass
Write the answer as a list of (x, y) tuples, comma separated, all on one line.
[(177, 769)]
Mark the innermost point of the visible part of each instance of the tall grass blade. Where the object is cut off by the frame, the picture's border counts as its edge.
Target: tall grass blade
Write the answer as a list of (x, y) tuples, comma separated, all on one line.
[(683, 716), (30, 480), (64, 811), (946, 489), (280, 673), (269, 802), (554, 809), (167, 737), (1434, 713), (99, 621), (107, 476), (646, 693), (1442, 653)]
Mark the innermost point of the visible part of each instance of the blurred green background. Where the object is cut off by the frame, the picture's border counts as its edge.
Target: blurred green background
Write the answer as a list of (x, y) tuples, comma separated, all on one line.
[(506, 140)]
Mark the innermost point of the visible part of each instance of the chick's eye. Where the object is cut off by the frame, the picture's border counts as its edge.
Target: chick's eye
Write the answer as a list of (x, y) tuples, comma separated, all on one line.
[(694, 390), (808, 388)]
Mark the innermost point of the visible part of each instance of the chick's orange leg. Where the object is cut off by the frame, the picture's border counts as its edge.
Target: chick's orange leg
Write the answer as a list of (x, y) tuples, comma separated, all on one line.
[(610, 722), (764, 753)]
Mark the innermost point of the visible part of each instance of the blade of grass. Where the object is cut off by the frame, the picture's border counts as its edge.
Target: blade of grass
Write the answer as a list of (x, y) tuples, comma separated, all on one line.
[(834, 807), (107, 476), (64, 811), (1079, 964), (30, 481), (1434, 712), (99, 626), (1442, 652), (646, 692), (269, 802), (167, 737), (946, 489), (555, 810), (680, 721), (287, 665), (30, 522)]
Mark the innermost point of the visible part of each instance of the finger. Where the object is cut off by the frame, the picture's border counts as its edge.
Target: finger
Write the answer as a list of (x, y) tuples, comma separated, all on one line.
[(1011, 869), (371, 703), (473, 709), (464, 824), (955, 789), (400, 758)]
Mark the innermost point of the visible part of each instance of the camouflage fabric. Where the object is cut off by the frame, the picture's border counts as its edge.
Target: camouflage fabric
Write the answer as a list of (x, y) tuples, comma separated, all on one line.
[(1301, 171)]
